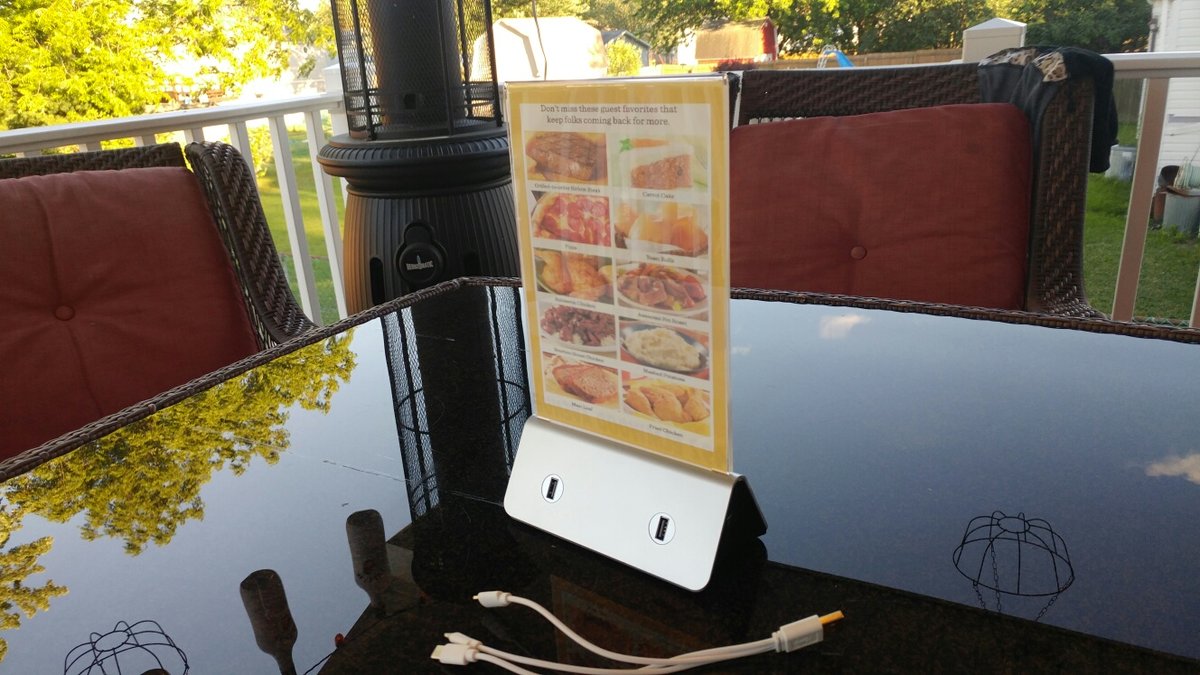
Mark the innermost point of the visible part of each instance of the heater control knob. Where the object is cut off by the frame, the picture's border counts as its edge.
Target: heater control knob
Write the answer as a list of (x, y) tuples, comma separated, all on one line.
[(420, 260)]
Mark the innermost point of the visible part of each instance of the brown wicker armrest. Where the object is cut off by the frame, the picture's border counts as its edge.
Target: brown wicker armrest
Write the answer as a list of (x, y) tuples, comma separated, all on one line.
[(232, 194), (165, 154)]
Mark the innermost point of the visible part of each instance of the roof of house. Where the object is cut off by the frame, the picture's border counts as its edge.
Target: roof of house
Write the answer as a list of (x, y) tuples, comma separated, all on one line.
[(622, 34)]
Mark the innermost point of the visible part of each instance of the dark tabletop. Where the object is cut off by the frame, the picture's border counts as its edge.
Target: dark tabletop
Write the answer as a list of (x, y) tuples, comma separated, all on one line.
[(975, 495)]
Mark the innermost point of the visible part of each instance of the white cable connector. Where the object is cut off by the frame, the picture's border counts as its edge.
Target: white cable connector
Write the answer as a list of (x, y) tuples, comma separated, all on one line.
[(491, 599), (460, 639), (454, 655), (799, 634)]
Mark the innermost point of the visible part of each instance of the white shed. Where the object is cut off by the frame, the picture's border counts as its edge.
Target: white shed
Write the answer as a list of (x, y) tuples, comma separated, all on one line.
[(552, 48), (1178, 29)]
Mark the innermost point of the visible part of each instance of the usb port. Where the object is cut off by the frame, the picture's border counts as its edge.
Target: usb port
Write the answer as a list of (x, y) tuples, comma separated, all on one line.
[(552, 488), (660, 532)]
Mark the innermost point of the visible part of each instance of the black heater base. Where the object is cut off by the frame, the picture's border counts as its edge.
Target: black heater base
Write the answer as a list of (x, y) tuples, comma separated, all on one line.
[(395, 246), (421, 211)]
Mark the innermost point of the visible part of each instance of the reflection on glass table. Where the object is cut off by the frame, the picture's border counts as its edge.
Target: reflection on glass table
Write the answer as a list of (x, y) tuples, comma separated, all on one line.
[(895, 455)]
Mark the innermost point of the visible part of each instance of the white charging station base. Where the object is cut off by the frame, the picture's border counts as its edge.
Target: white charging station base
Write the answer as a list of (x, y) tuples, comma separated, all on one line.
[(655, 514)]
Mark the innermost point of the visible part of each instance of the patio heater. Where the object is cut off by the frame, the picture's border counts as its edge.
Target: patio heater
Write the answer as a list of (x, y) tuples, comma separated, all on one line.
[(426, 156)]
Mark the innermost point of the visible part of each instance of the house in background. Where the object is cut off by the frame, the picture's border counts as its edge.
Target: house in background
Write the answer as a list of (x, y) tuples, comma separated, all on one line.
[(643, 47), (1175, 27), (551, 48), (749, 41)]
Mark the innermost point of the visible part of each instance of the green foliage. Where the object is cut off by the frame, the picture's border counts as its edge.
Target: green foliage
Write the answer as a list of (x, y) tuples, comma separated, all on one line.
[(142, 482), (623, 58), (1168, 278), (515, 9), (262, 151), (667, 22), (1103, 26), (929, 24), (863, 26), (73, 60), (17, 564)]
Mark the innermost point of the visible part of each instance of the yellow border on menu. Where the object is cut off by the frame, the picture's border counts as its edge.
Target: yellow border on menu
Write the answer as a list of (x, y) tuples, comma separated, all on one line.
[(713, 92)]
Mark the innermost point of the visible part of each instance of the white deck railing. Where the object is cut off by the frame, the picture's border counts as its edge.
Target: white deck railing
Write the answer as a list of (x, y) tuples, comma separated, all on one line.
[(231, 121), (1158, 69)]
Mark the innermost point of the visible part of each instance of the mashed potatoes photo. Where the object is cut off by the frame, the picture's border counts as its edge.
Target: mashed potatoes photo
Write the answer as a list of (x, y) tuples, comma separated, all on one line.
[(664, 348)]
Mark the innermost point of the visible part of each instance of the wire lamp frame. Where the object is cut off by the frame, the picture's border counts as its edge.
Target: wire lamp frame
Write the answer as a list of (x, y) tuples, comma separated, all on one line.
[(127, 648), (1014, 556)]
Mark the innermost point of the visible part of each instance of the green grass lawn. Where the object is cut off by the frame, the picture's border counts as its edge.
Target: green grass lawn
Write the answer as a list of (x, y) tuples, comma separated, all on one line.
[(268, 187), (1169, 268)]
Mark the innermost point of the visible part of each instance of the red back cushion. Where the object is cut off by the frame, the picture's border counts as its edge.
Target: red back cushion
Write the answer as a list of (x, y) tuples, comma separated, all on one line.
[(926, 204), (114, 287)]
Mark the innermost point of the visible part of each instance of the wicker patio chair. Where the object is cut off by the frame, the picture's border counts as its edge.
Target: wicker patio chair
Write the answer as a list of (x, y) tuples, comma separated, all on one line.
[(113, 318), (1054, 276), (232, 194)]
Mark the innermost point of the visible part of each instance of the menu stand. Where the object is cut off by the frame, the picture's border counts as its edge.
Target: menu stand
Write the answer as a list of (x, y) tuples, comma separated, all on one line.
[(659, 515)]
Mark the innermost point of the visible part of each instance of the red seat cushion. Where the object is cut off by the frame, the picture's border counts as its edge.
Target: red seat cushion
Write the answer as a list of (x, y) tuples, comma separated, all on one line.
[(925, 204), (114, 287)]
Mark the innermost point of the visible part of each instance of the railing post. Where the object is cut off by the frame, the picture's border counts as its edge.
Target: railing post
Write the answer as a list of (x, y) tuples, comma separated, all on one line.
[(327, 207), (239, 137), (1154, 109), (333, 85), (285, 173)]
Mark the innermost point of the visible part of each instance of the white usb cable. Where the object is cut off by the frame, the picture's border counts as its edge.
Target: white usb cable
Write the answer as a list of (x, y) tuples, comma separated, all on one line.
[(463, 650)]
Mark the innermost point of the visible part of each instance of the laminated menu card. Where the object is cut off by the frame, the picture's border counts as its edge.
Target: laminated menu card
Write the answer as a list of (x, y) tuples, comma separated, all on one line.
[(621, 190)]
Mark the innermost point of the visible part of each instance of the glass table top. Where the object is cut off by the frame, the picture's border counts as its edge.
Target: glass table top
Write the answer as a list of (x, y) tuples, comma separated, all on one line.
[(909, 466)]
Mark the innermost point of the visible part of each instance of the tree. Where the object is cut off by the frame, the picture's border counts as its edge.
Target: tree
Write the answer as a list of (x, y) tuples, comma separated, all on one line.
[(669, 21), (1103, 26), (17, 564), (73, 60), (623, 58), (66, 61), (142, 482), (515, 9), (929, 24)]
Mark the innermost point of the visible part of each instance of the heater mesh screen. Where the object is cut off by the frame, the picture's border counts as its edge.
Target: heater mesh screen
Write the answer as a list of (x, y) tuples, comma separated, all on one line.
[(416, 68)]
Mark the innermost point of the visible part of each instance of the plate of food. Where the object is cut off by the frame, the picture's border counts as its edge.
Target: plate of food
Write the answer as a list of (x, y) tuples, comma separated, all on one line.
[(662, 163), (582, 329), (666, 227), (687, 407), (575, 275), (661, 288), (584, 381), (582, 219), (666, 348), (567, 156)]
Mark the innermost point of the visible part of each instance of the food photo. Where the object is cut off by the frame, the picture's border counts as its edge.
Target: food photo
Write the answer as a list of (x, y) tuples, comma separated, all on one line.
[(673, 349), (576, 275), (662, 227), (683, 406), (586, 382), (567, 157), (663, 163), (577, 328), (582, 219), (662, 288)]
